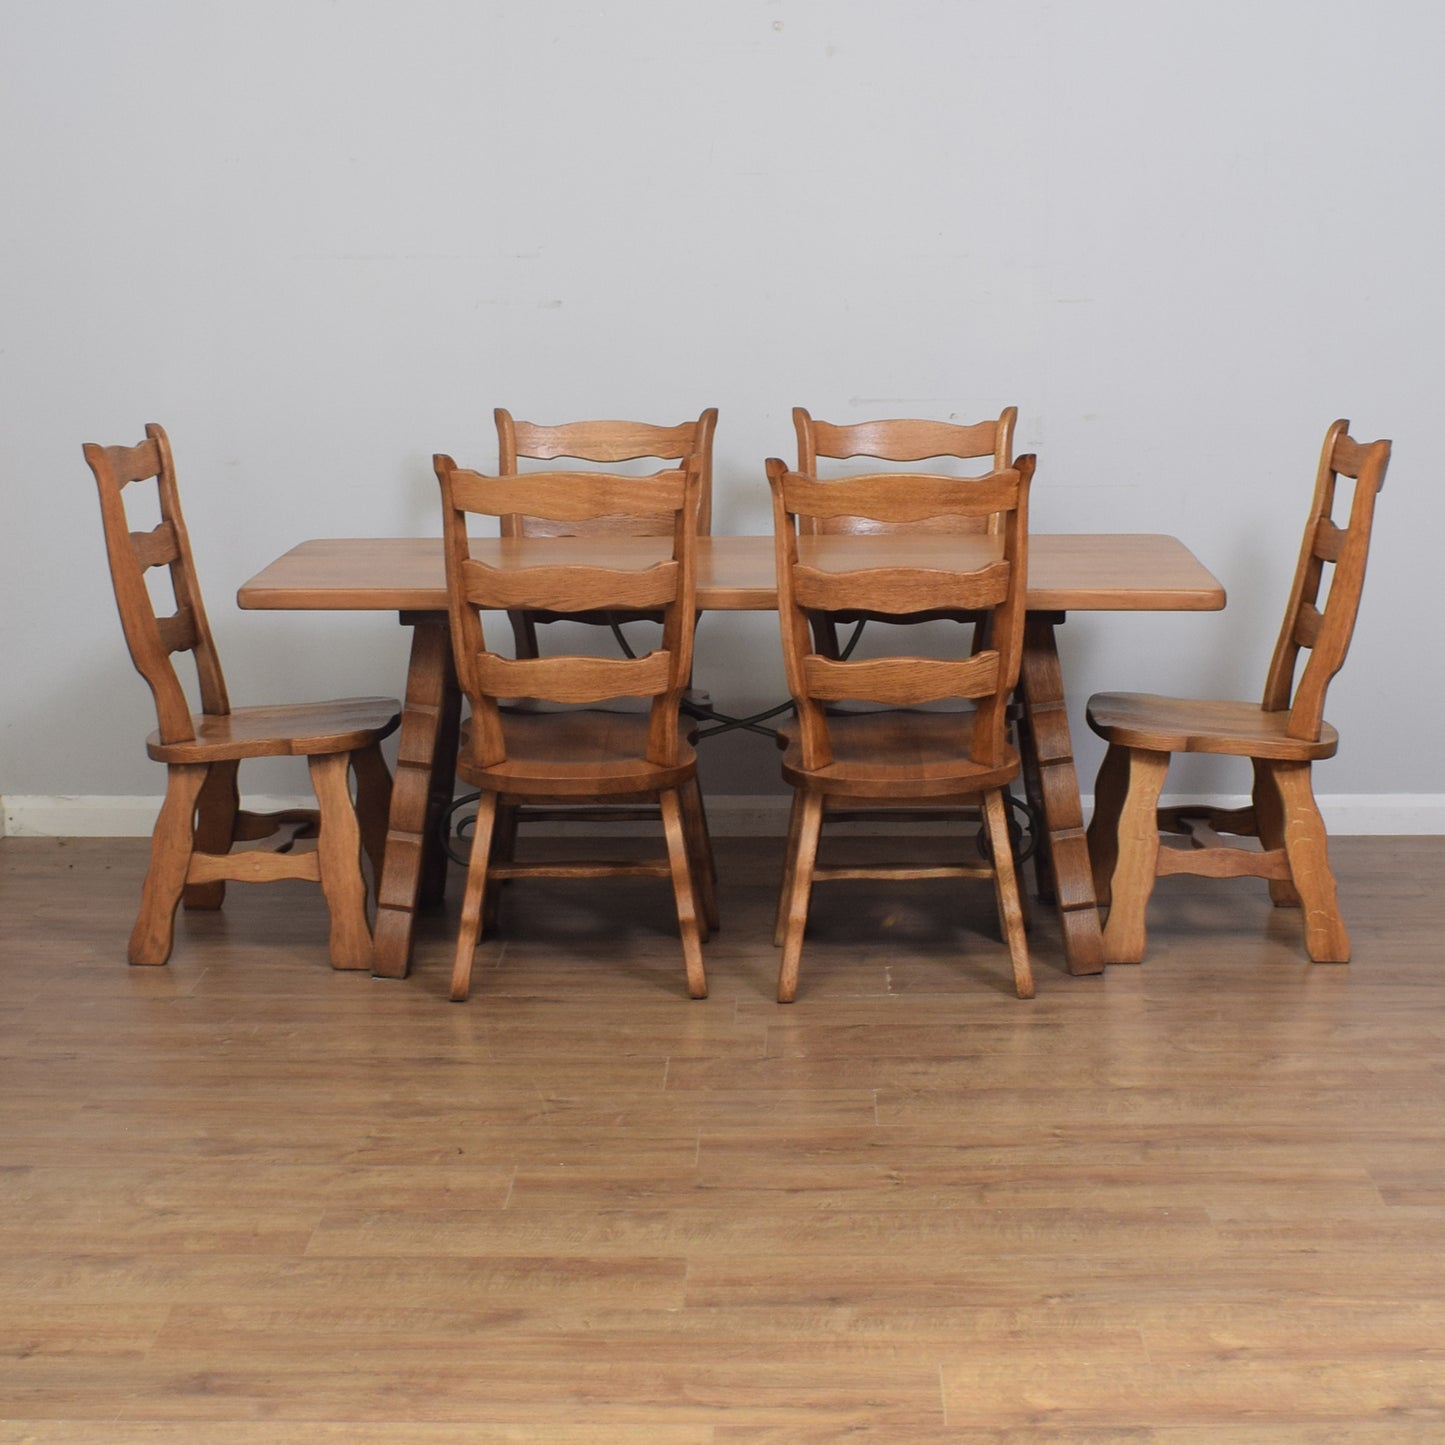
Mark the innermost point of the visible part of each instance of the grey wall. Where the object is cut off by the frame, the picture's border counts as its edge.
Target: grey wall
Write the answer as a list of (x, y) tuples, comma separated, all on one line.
[(321, 240)]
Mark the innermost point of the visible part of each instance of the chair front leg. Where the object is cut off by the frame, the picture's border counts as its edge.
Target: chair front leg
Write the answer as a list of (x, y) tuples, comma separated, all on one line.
[(1269, 824), (699, 848), (373, 805), (1307, 849), (800, 889), (215, 830), (790, 854), (1134, 873), (172, 843), (474, 896), (680, 862), (1110, 788), (338, 857), (1006, 890), (504, 850)]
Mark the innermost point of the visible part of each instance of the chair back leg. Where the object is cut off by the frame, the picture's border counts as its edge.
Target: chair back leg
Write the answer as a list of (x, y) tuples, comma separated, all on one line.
[(172, 844), (216, 811), (1132, 880), (1269, 826), (798, 889), (1306, 847), (373, 805), (474, 897), (1110, 788), (338, 857), (1006, 890), (699, 848), (680, 861)]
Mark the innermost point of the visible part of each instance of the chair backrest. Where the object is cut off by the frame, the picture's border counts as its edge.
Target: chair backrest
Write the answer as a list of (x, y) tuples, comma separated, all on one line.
[(991, 576), (904, 440), (153, 639), (668, 585), (1323, 629), (608, 442)]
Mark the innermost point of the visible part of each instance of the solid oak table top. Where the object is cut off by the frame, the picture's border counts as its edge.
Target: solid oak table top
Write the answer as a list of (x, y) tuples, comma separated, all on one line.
[(1079, 571)]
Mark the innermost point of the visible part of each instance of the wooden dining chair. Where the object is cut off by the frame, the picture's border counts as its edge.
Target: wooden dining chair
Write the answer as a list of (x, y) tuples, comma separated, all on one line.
[(901, 755), (560, 746), (897, 440), (201, 818), (609, 443), (1283, 735)]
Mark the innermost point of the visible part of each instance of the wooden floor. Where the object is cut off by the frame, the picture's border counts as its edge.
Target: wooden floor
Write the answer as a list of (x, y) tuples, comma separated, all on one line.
[(244, 1199)]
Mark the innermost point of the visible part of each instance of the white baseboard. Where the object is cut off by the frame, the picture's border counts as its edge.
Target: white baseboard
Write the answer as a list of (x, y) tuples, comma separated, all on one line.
[(729, 815)]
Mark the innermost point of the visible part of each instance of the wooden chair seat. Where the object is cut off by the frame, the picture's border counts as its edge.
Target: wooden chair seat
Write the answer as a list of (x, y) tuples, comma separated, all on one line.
[(297, 730), (201, 819), (579, 753), (895, 755), (1282, 736), (1197, 725)]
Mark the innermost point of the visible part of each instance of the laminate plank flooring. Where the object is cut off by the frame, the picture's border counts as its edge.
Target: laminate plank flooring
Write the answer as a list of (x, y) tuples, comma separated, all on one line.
[(246, 1200)]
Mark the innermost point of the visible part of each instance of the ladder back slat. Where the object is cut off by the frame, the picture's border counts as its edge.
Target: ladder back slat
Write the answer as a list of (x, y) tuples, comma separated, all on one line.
[(1349, 456), (568, 496), (134, 464), (1307, 625), (901, 681), (1329, 540), (905, 497), (178, 631), (574, 679), (900, 590), (156, 548), (604, 441), (904, 441), (570, 589)]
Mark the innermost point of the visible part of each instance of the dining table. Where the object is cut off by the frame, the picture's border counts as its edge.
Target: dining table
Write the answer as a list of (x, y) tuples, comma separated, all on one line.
[(1068, 572)]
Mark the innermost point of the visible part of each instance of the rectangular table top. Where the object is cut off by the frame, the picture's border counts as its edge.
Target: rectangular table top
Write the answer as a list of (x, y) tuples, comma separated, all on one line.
[(1088, 571)]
